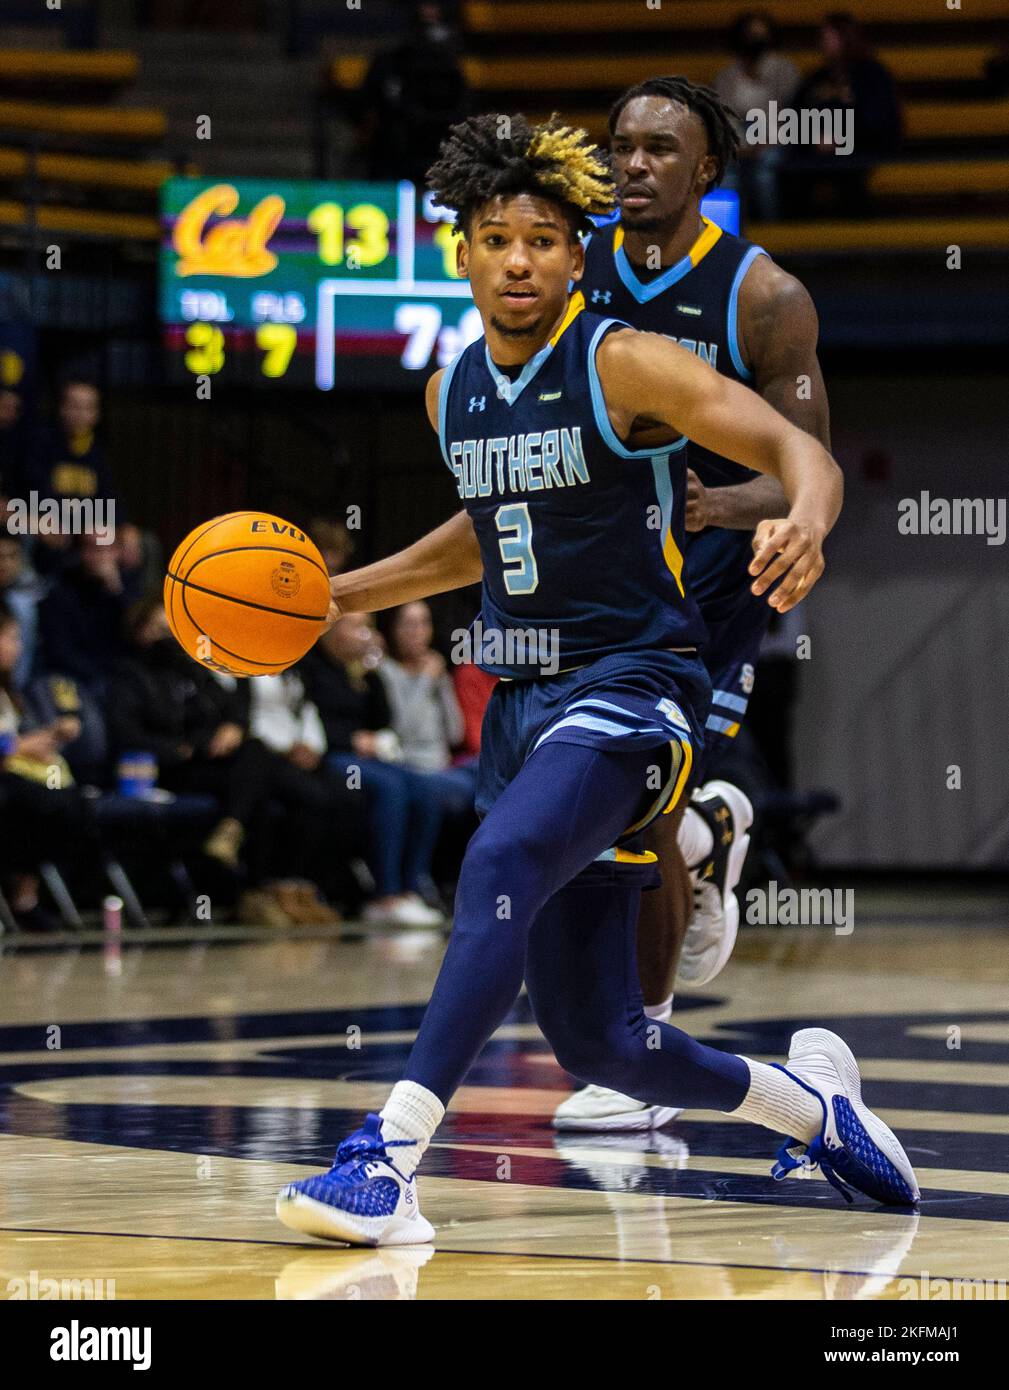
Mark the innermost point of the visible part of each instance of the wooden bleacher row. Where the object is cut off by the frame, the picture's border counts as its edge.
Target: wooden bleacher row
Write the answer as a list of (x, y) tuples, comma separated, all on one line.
[(923, 120), (125, 123), (888, 234), (922, 63), (67, 122), (80, 221), (98, 67), (508, 18), (84, 171), (787, 238)]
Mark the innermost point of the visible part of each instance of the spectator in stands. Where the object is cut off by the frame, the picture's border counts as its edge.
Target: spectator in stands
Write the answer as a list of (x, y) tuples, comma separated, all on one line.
[(426, 717), (852, 80), (334, 542), (246, 743), (81, 617), (759, 76), (21, 592), (320, 807), (411, 95), (404, 816), (42, 813), (11, 443), (67, 460)]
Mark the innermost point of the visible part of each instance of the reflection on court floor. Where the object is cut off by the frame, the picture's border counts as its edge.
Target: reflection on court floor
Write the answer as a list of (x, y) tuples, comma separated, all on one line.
[(147, 1119)]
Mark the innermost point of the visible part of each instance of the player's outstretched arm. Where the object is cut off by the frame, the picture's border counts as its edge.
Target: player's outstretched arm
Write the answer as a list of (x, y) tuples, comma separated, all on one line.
[(446, 558), (647, 379), (778, 333)]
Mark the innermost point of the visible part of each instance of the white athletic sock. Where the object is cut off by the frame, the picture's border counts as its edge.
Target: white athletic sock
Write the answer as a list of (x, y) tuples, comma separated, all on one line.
[(777, 1102), (694, 837), (661, 1013), (411, 1112)]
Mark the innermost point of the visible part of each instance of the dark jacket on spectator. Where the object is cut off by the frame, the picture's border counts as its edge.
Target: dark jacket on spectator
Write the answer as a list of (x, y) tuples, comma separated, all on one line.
[(60, 467), (80, 627), (159, 700), (874, 99), (347, 699)]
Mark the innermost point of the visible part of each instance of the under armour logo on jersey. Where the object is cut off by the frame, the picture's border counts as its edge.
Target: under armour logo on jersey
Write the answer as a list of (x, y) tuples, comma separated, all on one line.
[(477, 403), (601, 296)]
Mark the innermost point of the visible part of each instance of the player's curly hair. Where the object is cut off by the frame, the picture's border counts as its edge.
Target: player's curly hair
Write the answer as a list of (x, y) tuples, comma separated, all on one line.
[(718, 118), (491, 155)]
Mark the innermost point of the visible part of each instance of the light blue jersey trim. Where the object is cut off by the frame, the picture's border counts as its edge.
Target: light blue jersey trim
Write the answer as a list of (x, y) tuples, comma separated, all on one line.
[(733, 313), (664, 492), (509, 391), (590, 702), (645, 293), (722, 697), (596, 726), (718, 724), (446, 382), (601, 414)]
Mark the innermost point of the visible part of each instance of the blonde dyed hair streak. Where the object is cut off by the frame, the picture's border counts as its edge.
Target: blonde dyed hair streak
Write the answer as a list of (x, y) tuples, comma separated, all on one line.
[(575, 169)]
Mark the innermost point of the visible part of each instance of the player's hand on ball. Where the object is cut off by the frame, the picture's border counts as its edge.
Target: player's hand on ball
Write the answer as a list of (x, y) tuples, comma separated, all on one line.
[(697, 503), (335, 612), (789, 548)]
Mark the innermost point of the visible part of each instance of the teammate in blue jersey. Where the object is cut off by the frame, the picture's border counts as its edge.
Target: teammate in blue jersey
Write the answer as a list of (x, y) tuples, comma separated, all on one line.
[(665, 268), (559, 426)]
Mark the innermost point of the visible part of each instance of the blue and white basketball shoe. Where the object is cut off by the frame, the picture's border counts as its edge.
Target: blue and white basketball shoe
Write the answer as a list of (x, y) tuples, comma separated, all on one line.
[(854, 1148), (364, 1199)]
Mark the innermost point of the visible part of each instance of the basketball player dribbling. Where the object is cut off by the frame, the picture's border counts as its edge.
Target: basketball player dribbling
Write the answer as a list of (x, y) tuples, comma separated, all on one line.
[(553, 424), (727, 301)]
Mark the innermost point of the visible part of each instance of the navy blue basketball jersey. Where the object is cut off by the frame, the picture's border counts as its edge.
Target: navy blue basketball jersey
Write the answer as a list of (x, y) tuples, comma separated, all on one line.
[(694, 302), (581, 537)]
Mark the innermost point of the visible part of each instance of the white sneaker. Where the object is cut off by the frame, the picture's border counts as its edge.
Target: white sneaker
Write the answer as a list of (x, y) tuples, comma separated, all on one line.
[(404, 912), (424, 915), (363, 1200), (595, 1107), (711, 934), (854, 1149)]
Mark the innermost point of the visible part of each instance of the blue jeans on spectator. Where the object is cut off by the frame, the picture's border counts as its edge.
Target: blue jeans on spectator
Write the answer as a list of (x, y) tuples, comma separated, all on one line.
[(405, 812), (455, 787)]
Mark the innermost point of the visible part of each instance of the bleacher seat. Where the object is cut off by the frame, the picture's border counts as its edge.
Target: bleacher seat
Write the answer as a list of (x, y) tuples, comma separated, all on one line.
[(120, 123), (82, 168), (603, 72), (508, 18), (47, 67), (80, 221), (83, 171)]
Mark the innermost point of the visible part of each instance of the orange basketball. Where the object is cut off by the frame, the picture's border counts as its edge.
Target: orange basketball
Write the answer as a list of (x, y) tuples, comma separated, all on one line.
[(247, 593)]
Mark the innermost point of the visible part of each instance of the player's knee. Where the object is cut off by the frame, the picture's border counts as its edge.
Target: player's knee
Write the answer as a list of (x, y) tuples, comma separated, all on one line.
[(508, 858)]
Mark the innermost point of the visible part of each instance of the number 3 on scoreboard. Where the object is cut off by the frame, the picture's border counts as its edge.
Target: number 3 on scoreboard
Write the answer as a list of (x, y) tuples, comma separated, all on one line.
[(516, 547)]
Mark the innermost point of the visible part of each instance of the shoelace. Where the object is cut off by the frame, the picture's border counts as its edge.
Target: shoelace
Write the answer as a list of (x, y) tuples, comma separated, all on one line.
[(366, 1147), (794, 1154)]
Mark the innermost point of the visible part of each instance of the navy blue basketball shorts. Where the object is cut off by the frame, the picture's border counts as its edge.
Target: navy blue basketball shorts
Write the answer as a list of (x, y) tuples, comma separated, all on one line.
[(628, 701)]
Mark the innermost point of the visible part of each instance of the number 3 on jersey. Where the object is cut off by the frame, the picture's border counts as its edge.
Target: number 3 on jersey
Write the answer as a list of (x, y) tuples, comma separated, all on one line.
[(516, 547)]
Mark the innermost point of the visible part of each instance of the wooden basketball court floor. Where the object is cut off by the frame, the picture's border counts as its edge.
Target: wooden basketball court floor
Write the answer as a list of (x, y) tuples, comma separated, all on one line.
[(147, 1119)]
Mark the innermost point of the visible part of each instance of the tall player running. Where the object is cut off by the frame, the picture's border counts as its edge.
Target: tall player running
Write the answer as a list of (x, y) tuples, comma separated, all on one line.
[(551, 424), (666, 269)]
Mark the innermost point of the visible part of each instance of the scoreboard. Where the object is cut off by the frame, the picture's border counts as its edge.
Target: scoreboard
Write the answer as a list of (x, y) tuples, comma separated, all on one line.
[(334, 285)]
